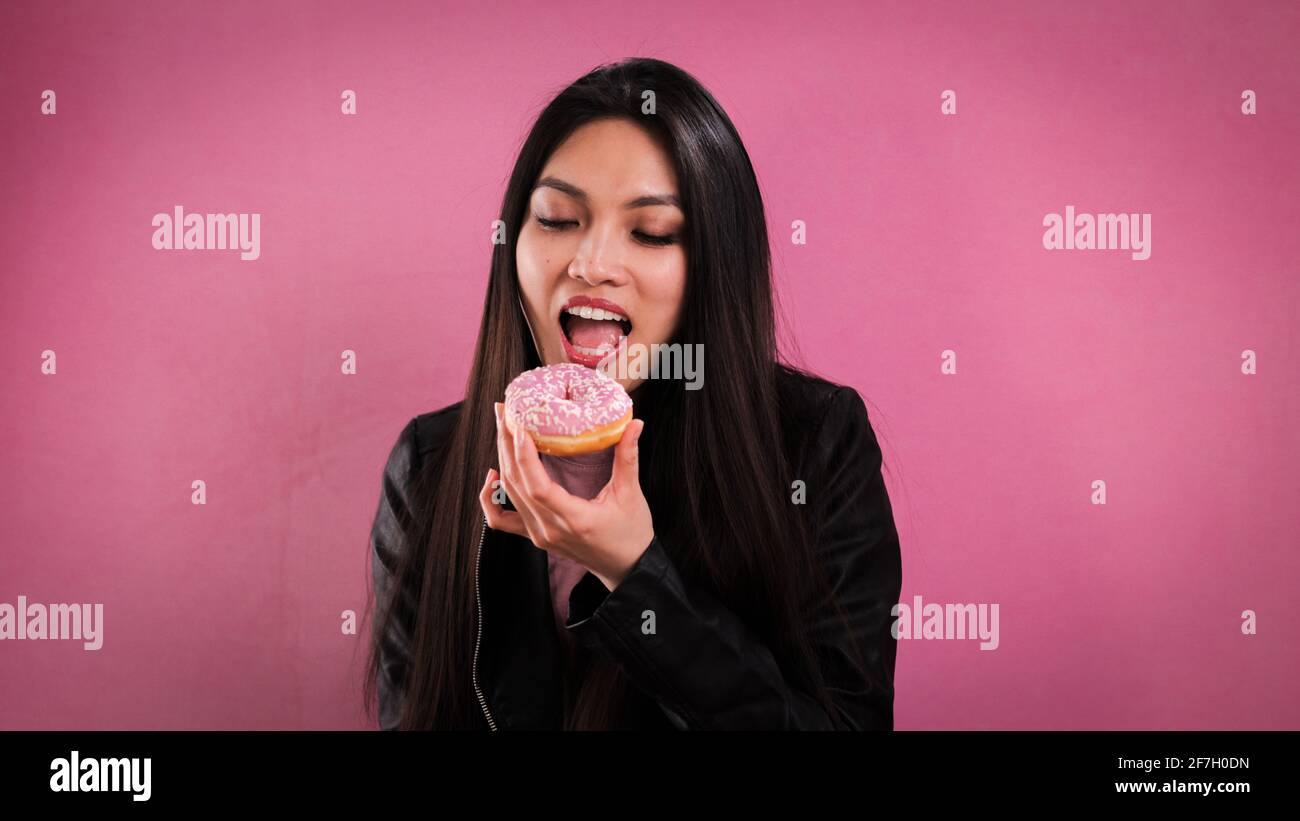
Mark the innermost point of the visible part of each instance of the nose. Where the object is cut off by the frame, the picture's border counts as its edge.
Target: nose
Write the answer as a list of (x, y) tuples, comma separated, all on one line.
[(597, 261)]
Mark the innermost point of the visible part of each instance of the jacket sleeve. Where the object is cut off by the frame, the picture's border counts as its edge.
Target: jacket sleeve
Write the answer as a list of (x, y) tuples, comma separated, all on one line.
[(708, 671), (388, 536)]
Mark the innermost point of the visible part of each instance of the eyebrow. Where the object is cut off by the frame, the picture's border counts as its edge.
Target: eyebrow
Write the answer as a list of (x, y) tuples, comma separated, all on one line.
[(578, 194)]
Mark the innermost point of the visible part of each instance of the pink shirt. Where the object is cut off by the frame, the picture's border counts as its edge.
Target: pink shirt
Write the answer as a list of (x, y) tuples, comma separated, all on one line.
[(583, 476)]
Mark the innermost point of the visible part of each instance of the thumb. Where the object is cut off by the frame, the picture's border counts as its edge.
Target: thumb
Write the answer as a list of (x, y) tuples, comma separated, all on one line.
[(626, 458)]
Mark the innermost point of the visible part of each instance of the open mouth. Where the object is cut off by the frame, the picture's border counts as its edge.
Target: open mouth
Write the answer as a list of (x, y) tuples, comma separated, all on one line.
[(592, 329)]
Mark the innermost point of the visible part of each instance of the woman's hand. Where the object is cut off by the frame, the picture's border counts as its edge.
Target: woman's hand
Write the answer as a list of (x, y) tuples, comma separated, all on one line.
[(606, 535)]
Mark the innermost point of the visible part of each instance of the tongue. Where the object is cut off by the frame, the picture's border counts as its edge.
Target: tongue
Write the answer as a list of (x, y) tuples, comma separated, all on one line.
[(594, 333)]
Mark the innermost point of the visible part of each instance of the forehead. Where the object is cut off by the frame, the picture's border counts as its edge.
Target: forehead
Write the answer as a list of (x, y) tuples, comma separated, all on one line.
[(612, 160)]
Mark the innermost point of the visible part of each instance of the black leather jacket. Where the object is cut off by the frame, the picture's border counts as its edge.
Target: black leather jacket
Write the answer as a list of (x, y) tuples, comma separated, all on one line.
[(713, 673)]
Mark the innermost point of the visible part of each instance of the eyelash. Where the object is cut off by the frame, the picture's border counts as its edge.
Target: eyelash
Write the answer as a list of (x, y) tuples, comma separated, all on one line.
[(648, 239)]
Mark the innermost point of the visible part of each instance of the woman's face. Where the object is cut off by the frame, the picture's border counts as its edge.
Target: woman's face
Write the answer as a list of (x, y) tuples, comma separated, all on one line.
[(603, 226)]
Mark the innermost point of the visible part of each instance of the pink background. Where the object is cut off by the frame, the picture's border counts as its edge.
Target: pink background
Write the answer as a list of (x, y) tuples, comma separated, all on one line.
[(924, 234)]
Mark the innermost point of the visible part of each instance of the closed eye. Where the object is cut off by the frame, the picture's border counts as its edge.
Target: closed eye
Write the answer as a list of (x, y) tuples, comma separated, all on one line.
[(554, 225), (648, 239), (655, 239)]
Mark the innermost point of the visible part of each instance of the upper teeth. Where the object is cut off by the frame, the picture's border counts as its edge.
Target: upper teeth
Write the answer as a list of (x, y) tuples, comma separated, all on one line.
[(588, 312)]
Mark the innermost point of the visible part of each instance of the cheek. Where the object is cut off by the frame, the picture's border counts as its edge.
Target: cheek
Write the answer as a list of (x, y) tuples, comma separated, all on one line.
[(674, 284), (665, 292), (524, 253), (530, 275), (530, 261), (533, 254)]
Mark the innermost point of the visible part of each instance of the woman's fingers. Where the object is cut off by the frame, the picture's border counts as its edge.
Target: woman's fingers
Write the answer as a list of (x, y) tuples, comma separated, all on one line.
[(498, 518), (509, 477), (626, 472), (506, 456)]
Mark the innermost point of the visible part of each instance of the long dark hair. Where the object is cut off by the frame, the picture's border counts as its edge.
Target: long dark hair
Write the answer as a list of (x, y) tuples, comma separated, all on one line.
[(717, 489)]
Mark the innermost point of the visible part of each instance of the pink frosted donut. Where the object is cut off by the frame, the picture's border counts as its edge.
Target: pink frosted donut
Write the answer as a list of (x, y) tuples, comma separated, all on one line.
[(568, 408)]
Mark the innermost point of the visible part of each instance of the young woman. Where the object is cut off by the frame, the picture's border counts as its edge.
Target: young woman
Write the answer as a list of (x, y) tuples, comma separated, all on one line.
[(738, 568)]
